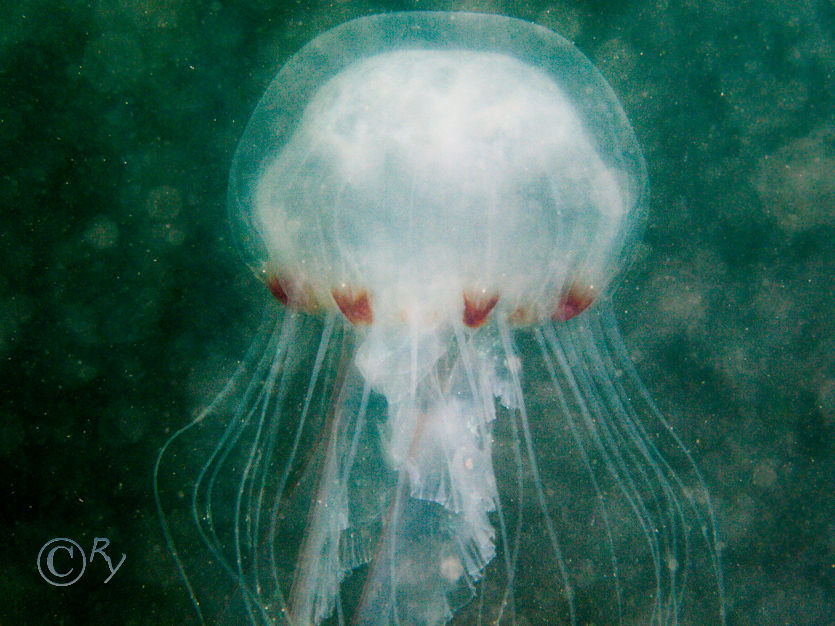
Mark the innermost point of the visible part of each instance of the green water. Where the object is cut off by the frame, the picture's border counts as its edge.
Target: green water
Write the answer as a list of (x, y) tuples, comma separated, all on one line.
[(124, 305)]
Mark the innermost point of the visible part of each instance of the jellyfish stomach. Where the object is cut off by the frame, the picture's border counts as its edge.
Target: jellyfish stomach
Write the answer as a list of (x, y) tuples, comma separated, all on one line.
[(406, 486), (436, 538)]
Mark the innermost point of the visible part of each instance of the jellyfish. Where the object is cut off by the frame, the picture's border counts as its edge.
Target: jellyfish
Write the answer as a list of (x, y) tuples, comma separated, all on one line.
[(439, 421)]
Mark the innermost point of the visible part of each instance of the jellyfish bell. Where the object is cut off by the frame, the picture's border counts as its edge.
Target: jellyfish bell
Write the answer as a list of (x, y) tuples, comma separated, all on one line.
[(444, 411), (434, 163)]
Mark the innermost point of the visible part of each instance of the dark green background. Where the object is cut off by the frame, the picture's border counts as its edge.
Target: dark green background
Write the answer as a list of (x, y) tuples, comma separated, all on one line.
[(123, 305)]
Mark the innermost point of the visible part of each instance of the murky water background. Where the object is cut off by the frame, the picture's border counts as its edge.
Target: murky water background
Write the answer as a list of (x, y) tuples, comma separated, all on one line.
[(124, 306)]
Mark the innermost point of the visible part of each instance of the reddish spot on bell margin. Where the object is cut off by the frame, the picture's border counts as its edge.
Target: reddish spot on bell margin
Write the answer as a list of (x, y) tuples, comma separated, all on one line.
[(356, 307), (275, 287), (573, 302), (477, 308), (291, 294)]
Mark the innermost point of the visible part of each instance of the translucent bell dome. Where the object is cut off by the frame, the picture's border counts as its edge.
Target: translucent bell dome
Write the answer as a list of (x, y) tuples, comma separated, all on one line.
[(430, 168)]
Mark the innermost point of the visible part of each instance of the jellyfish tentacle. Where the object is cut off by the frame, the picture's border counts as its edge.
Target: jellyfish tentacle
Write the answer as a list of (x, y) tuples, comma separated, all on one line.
[(526, 438), (606, 328), (624, 466), (270, 346), (239, 375), (320, 567), (628, 473), (251, 413), (575, 434), (321, 354), (244, 417), (647, 463), (660, 480)]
